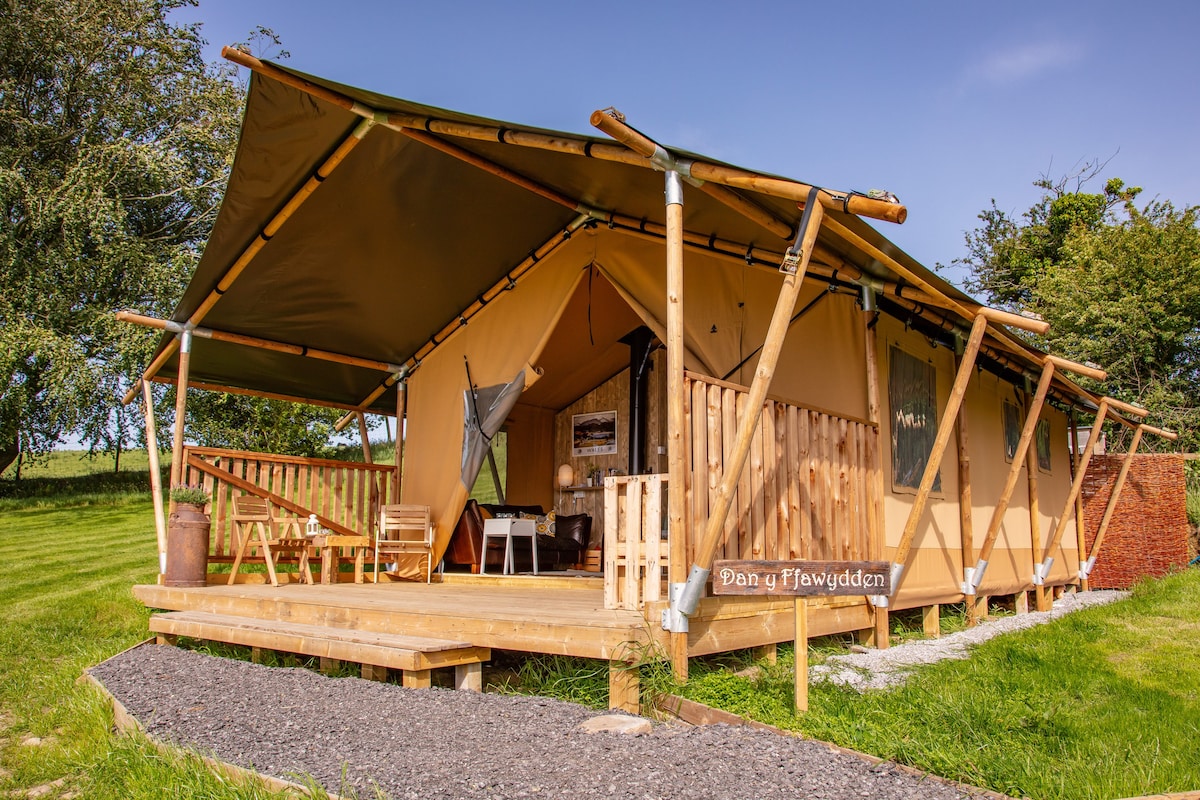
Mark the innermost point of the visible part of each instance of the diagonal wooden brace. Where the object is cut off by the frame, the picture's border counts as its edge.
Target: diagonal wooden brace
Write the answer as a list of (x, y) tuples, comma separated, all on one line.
[(714, 529), (1076, 485), (1085, 566), (974, 576), (945, 428)]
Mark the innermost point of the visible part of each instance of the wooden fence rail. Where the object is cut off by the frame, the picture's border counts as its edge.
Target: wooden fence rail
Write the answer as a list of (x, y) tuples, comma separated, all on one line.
[(344, 495), (806, 492)]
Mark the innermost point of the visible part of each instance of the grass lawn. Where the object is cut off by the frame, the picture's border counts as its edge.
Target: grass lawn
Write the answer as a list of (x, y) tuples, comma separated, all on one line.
[(67, 601), (1104, 703)]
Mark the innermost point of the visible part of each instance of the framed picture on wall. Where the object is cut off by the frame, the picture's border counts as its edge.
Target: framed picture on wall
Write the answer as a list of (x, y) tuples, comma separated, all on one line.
[(594, 434)]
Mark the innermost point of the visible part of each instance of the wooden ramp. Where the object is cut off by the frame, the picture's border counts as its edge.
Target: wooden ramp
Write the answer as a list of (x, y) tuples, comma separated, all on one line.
[(414, 655)]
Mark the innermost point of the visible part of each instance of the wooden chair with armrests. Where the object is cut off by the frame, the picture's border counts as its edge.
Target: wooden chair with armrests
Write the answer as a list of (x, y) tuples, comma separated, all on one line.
[(252, 514), (404, 529)]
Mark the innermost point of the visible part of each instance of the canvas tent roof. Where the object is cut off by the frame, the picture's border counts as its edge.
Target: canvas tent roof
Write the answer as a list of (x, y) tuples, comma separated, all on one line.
[(401, 238)]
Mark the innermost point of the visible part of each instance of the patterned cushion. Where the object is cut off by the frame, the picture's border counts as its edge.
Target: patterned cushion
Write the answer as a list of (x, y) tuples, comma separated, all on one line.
[(542, 524)]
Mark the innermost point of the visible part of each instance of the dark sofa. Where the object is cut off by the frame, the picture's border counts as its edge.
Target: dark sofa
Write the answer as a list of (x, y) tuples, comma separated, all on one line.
[(564, 550)]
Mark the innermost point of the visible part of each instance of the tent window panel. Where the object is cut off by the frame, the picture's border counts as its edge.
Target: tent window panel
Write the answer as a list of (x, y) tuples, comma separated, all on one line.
[(912, 395), (1041, 436), (1012, 429)]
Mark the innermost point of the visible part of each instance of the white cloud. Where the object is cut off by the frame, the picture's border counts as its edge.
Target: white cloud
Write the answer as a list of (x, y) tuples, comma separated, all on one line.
[(1023, 62)]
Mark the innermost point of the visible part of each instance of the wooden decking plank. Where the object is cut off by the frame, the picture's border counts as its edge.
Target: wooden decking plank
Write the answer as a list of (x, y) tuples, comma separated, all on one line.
[(292, 638)]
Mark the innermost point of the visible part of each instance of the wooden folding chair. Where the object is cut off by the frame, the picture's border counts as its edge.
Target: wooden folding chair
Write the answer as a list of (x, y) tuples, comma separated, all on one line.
[(404, 529), (253, 514)]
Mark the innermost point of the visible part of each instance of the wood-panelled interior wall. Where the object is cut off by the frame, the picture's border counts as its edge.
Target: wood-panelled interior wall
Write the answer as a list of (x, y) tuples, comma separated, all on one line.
[(612, 395)]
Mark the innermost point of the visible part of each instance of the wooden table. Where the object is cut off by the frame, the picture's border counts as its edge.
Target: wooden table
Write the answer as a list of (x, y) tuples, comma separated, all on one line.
[(330, 545)]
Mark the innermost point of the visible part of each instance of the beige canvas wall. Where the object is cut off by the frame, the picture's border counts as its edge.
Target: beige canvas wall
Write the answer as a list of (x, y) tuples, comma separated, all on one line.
[(935, 569)]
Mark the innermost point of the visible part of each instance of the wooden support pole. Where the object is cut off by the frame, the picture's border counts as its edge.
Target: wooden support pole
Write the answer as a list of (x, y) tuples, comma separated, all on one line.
[(741, 179), (181, 384), (364, 435), (156, 492), (877, 543), (624, 687), (800, 680), (257, 342), (772, 346), (401, 410), (945, 427), (1035, 521), (966, 521), (1077, 484), (1080, 529), (975, 576), (677, 523), (1114, 498)]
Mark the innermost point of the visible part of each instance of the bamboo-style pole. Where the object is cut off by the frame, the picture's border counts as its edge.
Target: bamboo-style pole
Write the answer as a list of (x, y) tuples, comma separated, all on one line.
[(966, 520), (763, 373), (1113, 499), (737, 178), (364, 435), (269, 230), (974, 576), (181, 385), (1080, 530), (217, 387), (508, 282), (677, 522), (945, 428), (401, 411), (1035, 522), (258, 343), (156, 492), (875, 519), (1076, 486)]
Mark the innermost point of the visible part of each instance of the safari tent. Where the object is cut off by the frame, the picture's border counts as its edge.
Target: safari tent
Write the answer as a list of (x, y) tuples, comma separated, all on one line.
[(801, 388)]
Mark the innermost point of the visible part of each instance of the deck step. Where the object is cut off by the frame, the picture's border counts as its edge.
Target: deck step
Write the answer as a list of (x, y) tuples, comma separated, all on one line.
[(415, 655)]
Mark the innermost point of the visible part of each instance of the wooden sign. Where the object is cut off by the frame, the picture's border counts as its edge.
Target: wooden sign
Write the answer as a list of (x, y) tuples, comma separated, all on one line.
[(802, 578)]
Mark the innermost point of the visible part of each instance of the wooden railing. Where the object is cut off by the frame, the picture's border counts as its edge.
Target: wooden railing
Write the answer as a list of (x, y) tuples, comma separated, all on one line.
[(808, 491), (635, 540), (344, 495)]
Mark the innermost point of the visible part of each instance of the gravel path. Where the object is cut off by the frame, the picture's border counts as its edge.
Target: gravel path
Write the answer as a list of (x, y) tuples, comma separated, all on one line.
[(879, 669), (435, 743)]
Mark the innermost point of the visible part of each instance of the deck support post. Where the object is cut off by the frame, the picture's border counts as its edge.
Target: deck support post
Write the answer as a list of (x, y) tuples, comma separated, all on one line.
[(966, 529), (975, 578), (794, 268), (800, 676), (1113, 499), (156, 491), (931, 621), (624, 687), (181, 385), (877, 544), (945, 427), (1077, 486), (469, 677)]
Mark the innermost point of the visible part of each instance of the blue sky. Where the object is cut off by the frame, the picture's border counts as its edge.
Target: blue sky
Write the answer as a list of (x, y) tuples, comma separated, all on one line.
[(946, 104)]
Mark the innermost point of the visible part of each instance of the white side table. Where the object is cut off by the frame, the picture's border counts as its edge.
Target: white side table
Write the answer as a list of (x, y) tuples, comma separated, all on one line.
[(509, 528)]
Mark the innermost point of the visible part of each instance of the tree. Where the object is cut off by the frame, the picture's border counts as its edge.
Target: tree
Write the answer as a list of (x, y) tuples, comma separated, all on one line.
[(115, 142), (1119, 285)]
